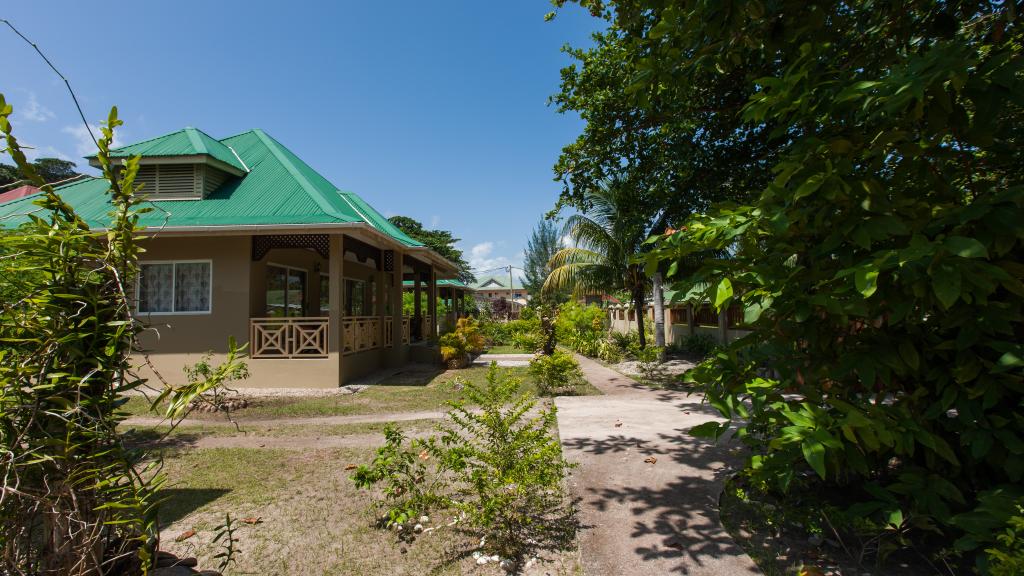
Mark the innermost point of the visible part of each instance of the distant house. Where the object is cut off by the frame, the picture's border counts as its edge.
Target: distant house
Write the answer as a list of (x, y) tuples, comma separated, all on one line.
[(249, 241), (493, 288)]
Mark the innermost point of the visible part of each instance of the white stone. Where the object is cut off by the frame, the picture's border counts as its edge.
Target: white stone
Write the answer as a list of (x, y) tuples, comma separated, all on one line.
[(418, 528), (481, 560), (424, 519)]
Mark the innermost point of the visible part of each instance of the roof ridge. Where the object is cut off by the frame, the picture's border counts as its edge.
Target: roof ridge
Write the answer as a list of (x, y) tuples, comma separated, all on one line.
[(196, 141), (275, 149)]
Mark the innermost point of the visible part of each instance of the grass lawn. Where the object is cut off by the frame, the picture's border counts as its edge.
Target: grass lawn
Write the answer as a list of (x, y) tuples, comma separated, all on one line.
[(400, 393)]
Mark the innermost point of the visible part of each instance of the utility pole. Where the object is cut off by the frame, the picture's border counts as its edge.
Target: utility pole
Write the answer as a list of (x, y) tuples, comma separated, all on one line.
[(511, 293)]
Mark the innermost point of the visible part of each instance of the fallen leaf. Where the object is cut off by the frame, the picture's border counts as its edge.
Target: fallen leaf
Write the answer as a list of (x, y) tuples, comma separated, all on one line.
[(185, 535), (651, 460), (351, 467), (424, 455), (253, 520), (618, 424)]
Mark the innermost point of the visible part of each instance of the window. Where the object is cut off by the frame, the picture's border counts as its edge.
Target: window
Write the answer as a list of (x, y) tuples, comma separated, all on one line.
[(286, 291), (360, 297), (325, 295), (182, 287)]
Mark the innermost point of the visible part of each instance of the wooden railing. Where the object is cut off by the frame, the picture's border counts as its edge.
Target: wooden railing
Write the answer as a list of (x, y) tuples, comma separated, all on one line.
[(427, 328), (360, 333), (288, 337), (389, 332), (406, 329)]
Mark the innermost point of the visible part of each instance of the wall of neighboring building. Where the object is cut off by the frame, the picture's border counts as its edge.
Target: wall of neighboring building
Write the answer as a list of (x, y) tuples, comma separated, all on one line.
[(723, 328)]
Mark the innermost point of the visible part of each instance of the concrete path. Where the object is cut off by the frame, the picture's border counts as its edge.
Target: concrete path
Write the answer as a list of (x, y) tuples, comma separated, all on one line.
[(648, 492), (505, 360)]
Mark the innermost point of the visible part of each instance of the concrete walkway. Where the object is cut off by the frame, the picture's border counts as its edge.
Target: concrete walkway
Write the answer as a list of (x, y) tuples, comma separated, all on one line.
[(648, 492)]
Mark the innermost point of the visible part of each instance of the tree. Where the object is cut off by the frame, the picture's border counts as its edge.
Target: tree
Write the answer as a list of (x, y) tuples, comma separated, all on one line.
[(879, 269), (681, 147), (608, 237), (50, 170), (543, 244), (440, 241)]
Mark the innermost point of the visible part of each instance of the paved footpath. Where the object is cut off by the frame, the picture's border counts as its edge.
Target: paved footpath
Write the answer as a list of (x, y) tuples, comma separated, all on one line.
[(648, 492)]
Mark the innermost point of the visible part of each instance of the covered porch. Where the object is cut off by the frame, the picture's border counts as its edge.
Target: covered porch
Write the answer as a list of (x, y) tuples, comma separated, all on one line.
[(339, 297)]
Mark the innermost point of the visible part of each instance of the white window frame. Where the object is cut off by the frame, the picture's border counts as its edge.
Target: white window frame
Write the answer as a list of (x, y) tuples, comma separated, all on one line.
[(174, 279)]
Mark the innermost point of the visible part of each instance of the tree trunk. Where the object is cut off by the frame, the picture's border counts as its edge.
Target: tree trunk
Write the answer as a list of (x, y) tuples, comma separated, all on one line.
[(641, 311), (658, 301)]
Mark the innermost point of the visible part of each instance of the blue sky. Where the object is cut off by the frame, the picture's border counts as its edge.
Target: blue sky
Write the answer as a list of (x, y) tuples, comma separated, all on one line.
[(434, 110)]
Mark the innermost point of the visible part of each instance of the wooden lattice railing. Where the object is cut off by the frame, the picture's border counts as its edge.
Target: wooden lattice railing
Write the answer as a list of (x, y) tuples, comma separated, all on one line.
[(406, 329), (360, 333), (288, 337)]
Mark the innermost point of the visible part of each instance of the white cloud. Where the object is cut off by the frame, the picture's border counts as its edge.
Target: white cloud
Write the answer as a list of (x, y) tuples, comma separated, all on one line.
[(84, 146), (33, 111), (34, 152), (565, 241), (481, 257)]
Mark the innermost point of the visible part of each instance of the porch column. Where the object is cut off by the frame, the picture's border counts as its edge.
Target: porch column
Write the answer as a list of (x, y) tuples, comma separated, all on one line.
[(381, 294), (417, 314), (432, 303), (397, 347), (335, 264)]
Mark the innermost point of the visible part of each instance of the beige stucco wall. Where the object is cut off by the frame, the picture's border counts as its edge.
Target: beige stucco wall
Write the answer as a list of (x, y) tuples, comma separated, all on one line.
[(674, 333)]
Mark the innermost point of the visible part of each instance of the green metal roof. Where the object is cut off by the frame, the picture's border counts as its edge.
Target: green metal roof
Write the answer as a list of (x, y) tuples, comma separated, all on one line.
[(187, 142), (278, 189), (501, 283), (454, 282)]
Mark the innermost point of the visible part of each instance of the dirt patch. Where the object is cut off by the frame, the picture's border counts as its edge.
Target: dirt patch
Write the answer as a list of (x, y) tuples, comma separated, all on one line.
[(311, 518)]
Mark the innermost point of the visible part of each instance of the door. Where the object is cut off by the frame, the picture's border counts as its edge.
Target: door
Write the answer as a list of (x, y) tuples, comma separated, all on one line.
[(286, 291)]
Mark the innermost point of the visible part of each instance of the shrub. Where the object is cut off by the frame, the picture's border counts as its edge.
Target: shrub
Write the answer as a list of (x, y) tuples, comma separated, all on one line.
[(499, 467), (528, 341), (649, 359), (1007, 558), (699, 344), (556, 373), (464, 340), (574, 318)]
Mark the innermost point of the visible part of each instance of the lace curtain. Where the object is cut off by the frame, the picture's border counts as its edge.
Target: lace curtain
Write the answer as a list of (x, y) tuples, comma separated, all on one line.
[(174, 287), (192, 287)]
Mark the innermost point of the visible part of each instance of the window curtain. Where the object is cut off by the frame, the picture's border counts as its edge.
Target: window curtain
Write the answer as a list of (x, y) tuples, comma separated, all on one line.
[(155, 288), (192, 287)]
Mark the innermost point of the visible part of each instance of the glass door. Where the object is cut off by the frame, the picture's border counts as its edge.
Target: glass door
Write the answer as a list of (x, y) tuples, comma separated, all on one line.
[(286, 291)]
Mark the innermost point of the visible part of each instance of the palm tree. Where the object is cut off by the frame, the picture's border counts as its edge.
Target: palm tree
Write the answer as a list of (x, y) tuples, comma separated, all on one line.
[(606, 237)]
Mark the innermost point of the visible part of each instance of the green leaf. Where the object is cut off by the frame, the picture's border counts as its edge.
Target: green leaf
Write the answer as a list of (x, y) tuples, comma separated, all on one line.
[(866, 279), (965, 247), (946, 284), (711, 429), (723, 293), (810, 186), (814, 453), (909, 354)]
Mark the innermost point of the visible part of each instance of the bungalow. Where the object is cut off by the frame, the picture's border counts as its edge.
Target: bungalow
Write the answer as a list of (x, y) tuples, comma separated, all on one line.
[(249, 241), (494, 288)]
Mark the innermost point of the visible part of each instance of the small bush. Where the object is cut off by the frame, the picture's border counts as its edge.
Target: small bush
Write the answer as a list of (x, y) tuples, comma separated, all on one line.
[(649, 359), (1007, 558), (499, 467), (699, 344), (466, 339), (557, 373)]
